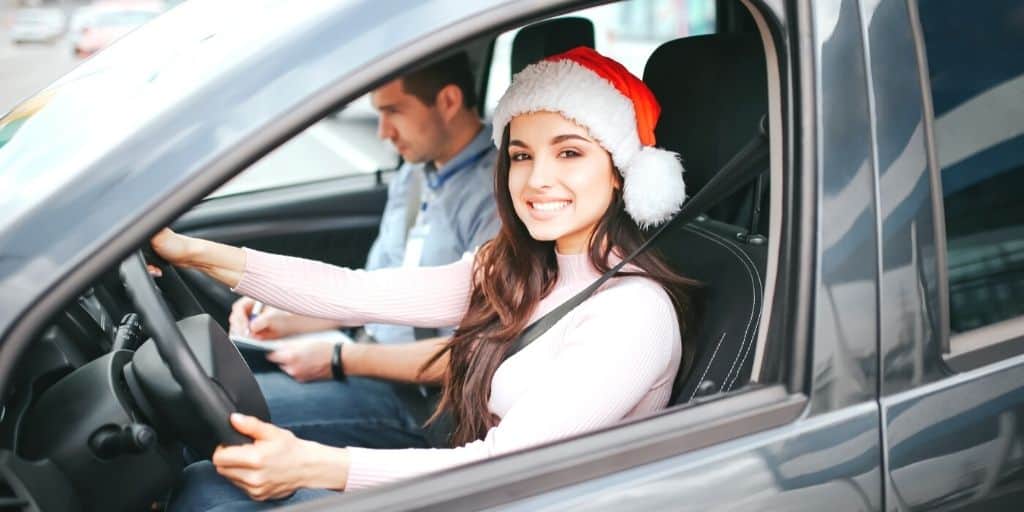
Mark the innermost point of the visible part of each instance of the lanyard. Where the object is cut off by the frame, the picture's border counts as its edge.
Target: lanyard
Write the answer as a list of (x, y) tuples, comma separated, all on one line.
[(436, 181)]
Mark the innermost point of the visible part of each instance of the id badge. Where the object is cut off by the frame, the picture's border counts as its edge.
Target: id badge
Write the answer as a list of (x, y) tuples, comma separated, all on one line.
[(414, 244)]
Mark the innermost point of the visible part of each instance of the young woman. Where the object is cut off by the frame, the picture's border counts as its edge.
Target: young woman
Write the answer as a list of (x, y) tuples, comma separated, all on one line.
[(577, 178)]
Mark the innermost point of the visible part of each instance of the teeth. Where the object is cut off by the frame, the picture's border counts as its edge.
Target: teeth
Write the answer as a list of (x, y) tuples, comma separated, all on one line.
[(550, 207)]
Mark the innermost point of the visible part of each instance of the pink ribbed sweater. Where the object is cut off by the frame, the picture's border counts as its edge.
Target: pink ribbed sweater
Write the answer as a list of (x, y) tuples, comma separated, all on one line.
[(613, 357)]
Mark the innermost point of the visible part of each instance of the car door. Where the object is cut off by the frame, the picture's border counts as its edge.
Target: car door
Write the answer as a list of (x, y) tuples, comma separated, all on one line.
[(948, 86)]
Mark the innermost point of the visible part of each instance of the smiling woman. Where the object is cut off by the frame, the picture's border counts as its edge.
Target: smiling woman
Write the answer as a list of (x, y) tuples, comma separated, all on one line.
[(564, 223)]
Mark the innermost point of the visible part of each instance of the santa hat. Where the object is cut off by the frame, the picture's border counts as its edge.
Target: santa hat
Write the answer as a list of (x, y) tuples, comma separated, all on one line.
[(619, 111)]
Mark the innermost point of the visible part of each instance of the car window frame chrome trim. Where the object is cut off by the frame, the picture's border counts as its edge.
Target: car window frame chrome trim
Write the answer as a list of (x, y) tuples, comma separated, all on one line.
[(935, 174)]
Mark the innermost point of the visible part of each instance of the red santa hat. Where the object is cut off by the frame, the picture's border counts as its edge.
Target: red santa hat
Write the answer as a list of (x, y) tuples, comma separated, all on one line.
[(618, 110)]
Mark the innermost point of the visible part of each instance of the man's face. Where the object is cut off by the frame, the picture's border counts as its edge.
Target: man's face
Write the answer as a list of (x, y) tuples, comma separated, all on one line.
[(417, 131)]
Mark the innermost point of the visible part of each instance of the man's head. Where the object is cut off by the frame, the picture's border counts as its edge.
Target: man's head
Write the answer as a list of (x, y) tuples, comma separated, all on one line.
[(423, 112)]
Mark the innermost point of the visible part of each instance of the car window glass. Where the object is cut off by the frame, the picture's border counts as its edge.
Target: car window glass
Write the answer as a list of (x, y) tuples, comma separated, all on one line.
[(626, 31), (977, 88), (342, 144)]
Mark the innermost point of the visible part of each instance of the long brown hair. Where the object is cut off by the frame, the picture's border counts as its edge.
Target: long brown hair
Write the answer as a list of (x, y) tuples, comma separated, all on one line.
[(511, 274)]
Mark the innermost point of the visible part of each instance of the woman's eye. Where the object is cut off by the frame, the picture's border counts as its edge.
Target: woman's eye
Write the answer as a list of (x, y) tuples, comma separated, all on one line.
[(568, 153), (519, 157)]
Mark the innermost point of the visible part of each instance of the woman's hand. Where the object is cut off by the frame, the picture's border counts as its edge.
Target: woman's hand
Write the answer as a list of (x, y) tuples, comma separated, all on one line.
[(171, 246), (221, 262), (277, 463)]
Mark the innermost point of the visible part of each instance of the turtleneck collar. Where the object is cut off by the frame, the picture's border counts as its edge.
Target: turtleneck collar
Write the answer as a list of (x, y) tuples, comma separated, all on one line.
[(576, 268)]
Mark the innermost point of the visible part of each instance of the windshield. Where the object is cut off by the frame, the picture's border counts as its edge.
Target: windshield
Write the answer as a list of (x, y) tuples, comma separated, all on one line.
[(51, 138)]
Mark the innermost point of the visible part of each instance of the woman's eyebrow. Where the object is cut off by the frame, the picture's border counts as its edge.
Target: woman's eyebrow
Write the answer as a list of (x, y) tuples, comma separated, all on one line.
[(564, 137), (517, 142)]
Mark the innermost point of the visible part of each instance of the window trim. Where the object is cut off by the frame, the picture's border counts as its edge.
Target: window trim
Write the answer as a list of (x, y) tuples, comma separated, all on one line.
[(977, 347), (935, 176)]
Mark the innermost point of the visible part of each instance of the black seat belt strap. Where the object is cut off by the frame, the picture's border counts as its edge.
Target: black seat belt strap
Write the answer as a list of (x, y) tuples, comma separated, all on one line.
[(738, 171)]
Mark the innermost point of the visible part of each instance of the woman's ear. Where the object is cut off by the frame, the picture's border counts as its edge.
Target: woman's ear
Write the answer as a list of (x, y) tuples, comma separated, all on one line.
[(619, 180)]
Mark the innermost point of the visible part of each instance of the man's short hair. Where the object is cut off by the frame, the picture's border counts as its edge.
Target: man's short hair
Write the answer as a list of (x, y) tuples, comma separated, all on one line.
[(426, 82)]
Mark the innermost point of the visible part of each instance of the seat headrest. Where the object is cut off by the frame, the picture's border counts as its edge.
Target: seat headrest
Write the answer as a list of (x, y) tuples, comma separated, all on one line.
[(713, 91), (547, 38)]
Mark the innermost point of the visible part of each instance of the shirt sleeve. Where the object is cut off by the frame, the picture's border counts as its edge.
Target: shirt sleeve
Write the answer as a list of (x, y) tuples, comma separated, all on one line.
[(605, 368), (416, 296)]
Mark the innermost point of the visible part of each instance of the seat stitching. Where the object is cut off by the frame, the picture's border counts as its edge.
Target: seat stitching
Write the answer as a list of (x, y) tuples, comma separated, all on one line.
[(760, 311), (713, 237), (748, 344), (708, 367), (746, 266)]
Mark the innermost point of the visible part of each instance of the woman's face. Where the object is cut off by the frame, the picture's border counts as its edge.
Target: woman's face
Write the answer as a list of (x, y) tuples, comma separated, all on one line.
[(561, 180)]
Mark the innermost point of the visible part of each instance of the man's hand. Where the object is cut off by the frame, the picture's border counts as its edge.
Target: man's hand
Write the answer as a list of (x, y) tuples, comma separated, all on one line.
[(304, 361), (271, 323), (277, 463)]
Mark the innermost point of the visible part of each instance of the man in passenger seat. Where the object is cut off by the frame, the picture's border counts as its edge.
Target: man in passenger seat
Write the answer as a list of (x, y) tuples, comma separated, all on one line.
[(440, 206)]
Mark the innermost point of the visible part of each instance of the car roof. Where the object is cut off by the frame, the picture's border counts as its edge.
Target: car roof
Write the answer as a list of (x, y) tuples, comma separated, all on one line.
[(140, 120)]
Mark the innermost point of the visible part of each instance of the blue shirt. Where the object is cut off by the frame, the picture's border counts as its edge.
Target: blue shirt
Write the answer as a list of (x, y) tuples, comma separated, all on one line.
[(456, 209)]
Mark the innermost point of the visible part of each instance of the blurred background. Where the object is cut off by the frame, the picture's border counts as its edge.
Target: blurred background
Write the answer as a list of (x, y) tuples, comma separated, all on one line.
[(40, 40)]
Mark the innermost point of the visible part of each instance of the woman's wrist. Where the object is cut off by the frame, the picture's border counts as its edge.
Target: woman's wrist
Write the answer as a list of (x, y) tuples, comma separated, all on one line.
[(327, 466), (222, 262), (195, 248)]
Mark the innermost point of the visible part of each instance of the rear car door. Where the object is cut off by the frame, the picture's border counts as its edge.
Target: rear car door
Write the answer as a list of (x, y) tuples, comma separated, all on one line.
[(948, 85)]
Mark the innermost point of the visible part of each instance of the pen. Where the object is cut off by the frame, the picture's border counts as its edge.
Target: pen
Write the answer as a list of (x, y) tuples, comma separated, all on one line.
[(257, 308)]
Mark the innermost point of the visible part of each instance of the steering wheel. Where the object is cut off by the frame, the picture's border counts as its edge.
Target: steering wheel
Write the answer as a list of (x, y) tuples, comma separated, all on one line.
[(225, 385)]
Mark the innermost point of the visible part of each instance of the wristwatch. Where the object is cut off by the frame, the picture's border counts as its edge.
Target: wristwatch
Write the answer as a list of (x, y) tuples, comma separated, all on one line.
[(337, 370)]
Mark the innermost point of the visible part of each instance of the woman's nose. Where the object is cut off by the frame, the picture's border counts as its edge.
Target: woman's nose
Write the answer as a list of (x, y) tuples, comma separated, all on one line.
[(542, 173)]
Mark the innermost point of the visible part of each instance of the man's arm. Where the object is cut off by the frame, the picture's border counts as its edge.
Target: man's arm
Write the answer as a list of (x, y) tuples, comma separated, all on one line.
[(399, 362)]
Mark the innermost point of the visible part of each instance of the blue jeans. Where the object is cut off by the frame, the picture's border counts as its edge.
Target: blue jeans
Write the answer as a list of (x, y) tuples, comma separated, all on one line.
[(357, 412)]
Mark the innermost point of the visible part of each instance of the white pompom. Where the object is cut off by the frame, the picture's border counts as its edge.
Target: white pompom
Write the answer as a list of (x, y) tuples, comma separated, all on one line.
[(654, 188)]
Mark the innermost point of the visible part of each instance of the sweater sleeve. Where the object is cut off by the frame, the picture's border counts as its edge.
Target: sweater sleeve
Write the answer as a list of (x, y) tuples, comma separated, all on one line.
[(605, 367), (419, 296)]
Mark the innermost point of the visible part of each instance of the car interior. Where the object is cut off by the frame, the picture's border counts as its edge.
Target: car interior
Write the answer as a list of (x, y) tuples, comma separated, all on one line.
[(130, 373)]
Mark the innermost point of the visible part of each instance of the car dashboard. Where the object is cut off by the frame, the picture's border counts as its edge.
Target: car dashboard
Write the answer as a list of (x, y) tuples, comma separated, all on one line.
[(72, 433)]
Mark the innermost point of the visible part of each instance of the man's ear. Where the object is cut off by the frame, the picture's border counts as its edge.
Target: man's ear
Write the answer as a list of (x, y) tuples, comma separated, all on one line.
[(449, 101)]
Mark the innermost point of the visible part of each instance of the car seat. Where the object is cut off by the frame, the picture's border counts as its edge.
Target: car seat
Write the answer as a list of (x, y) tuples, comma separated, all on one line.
[(550, 37), (713, 93)]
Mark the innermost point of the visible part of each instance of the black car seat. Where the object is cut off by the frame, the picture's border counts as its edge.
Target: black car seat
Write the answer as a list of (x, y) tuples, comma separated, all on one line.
[(550, 37), (713, 92)]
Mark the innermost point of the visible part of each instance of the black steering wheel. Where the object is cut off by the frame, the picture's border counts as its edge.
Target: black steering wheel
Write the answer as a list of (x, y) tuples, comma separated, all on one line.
[(214, 390)]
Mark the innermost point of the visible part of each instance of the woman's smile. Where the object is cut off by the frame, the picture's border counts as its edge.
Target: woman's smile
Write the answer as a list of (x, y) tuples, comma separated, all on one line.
[(545, 209)]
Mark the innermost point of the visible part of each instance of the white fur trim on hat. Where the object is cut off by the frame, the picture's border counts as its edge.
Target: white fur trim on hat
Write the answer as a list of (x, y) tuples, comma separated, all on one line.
[(653, 188), (578, 94)]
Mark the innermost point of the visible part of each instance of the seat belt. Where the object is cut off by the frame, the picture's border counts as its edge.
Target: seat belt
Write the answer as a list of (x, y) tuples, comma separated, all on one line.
[(738, 171)]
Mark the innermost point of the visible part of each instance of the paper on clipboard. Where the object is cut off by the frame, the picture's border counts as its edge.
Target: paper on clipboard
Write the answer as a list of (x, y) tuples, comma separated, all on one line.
[(248, 343)]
